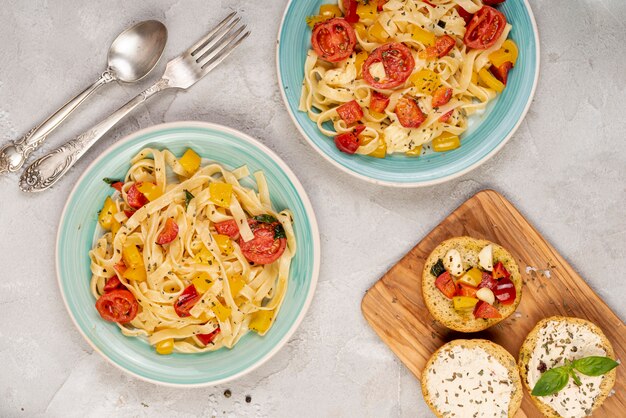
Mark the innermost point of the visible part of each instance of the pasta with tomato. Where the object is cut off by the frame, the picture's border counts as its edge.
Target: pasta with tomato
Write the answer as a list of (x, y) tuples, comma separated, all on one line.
[(392, 76), (192, 257)]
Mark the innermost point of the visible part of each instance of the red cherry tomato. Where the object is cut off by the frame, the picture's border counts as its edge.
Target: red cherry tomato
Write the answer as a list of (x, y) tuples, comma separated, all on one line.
[(381, 3), (485, 310), (485, 28), (264, 248), (186, 300), (112, 284), (120, 267), (505, 291), (493, 2), (207, 338), (117, 306), (333, 40), (349, 7), (350, 112), (446, 285), (169, 232), (466, 290), (442, 47), (129, 213), (446, 116), (465, 15), (441, 96), (118, 185), (135, 198), (378, 102), (229, 228), (397, 61), (347, 142), (488, 282), (502, 72), (499, 271), (409, 113)]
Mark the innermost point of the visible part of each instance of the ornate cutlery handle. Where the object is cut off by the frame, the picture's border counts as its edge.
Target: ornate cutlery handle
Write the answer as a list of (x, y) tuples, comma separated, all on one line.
[(14, 154), (48, 169)]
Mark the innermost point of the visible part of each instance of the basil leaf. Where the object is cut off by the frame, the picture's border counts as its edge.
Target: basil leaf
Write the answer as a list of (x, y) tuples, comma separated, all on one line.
[(188, 197), (279, 232), (438, 269), (265, 219), (551, 381), (594, 365), (575, 377), (110, 181)]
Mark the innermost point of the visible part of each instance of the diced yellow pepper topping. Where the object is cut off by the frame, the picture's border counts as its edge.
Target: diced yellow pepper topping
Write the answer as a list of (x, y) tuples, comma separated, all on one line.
[(261, 321), (380, 151), (190, 161), (165, 347), (236, 283), (367, 11), (464, 303), (446, 142), (202, 282), (132, 256), (474, 77), (472, 277), (222, 312), (423, 36), (361, 31), (359, 60), (490, 81), (240, 300), (415, 152), (221, 193), (224, 243), (508, 53), (330, 10), (105, 218), (137, 273), (150, 190), (426, 81), (379, 33), (203, 256)]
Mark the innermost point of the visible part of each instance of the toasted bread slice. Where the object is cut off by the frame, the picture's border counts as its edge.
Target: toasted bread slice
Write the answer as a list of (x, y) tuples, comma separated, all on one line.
[(468, 378), (442, 308), (576, 338)]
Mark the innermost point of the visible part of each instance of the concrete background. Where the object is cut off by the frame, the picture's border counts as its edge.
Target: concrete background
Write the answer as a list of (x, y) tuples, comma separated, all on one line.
[(565, 169)]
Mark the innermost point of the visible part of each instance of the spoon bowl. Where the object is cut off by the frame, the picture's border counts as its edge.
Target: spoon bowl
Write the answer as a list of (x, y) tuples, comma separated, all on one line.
[(136, 51)]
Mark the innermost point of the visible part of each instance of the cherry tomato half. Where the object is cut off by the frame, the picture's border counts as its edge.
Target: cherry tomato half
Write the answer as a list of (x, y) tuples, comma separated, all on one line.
[(229, 228), (350, 112), (264, 248), (333, 40), (502, 72), (378, 102), (409, 113), (465, 15), (207, 338), (117, 306), (347, 142), (349, 7), (135, 198), (441, 96), (118, 185), (485, 28), (186, 300), (397, 61), (112, 284), (169, 232)]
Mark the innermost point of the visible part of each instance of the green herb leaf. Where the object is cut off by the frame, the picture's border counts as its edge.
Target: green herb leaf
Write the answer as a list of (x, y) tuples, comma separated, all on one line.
[(438, 269), (551, 381), (594, 365), (110, 181), (279, 232), (188, 197), (575, 377), (265, 219)]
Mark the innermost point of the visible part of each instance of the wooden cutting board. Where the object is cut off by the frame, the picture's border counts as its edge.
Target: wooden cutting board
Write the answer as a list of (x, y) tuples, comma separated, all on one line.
[(394, 306)]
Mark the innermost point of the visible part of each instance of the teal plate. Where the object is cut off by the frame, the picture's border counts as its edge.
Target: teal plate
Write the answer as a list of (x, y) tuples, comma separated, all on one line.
[(78, 228), (487, 135)]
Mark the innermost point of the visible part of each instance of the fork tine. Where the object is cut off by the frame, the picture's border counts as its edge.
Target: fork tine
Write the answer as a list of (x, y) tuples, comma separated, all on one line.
[(203, 51), (223, 53), (215, 49), (207, 37)]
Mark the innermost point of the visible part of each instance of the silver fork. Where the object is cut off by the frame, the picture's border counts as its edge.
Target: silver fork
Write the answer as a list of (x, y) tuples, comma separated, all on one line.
[(182, 72)]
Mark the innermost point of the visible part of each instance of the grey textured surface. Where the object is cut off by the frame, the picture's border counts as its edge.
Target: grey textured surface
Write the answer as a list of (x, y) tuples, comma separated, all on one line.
[(565, 169)]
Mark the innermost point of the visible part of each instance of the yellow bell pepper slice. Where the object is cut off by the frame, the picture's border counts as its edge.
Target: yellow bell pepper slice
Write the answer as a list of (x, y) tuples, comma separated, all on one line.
[(240, 300), (423, 36), (202, 282), (236, 283), (490, 81), (377, 32), (358, 62), (508, 53), (361, 31), (261, 321), (367, 10), (224, 243), (426, 81), (150, 190), (190, 161), (474, 77), (415, 152), (165, 347), (472, 277), (464, 303), (132, 256), (105, 217), (137, 273), (380, 151), (222, 312), (221, 194), (330, 10), (446, 142), (203, 256)]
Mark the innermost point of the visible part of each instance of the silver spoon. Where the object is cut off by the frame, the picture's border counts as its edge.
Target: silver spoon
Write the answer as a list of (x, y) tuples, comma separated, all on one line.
[(133, 54)]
